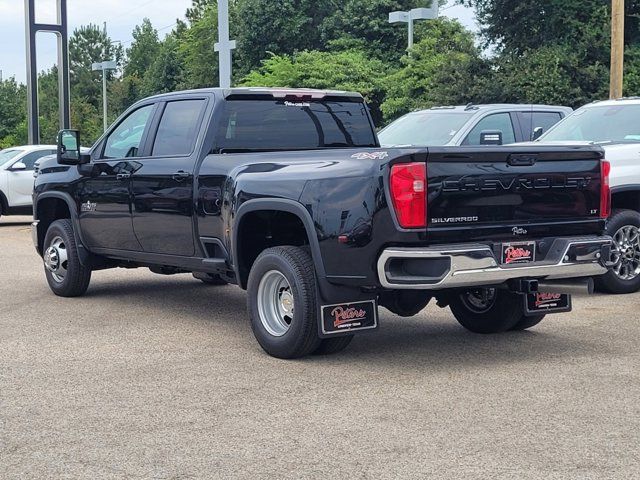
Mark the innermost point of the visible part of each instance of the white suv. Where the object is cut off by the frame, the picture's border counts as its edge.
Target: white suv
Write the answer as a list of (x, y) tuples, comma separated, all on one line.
[(16, 177), (615, 125)]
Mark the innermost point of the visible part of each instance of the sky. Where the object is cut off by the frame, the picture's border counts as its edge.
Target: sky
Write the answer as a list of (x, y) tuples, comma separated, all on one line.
[(121, 17)]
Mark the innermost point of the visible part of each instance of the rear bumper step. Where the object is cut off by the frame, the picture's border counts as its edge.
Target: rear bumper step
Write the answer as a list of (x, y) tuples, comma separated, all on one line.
[(469, 265)]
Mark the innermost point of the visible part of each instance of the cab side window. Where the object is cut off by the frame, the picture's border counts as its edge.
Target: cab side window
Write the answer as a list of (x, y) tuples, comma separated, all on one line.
[(30, 159), (125, 141), (529, 121), (497, 121), (178, 128)]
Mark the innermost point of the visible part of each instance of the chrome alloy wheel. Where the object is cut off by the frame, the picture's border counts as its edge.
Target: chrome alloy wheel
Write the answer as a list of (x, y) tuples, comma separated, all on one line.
[(480, 300), (275, 303), (626, 252), (56, 259)]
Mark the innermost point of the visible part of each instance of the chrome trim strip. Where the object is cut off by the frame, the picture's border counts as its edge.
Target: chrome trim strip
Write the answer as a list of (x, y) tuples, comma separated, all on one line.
[(475, 264)]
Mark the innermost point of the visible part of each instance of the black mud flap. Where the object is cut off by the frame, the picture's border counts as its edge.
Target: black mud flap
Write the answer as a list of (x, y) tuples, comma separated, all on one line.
[(546, 304), (348, 318)]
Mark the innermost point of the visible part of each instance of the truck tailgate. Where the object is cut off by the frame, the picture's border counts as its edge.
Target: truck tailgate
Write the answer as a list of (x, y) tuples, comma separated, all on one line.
[(507, 192)]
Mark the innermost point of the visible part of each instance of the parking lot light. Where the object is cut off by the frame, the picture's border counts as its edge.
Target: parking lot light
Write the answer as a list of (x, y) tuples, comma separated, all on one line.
[(104, 67), (411, 16)]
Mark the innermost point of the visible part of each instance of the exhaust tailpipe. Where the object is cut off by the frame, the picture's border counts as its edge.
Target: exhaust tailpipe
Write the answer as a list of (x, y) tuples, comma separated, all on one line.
[(572, 287)]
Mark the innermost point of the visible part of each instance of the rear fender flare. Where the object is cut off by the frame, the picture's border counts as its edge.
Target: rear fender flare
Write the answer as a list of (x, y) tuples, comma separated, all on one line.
[(282, 205)]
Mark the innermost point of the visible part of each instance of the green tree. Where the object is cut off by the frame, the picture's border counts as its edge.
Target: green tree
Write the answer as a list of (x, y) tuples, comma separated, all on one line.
[(279, 26), (515, 27), (196, 48), (13, 112), (143, 50), (48, 110), (555, 74), (348, 70), (445, 68), (90, 44), (364, 24), (166, 73)]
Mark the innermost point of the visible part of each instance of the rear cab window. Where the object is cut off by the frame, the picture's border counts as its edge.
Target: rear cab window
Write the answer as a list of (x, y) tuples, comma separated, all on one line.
[(178, 128), (270, 124)]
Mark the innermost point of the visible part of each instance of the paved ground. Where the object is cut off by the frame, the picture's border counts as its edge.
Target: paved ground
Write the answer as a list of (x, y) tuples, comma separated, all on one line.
[(151, 376)]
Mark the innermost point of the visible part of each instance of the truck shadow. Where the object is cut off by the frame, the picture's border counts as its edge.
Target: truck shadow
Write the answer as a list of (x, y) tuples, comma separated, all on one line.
[(14, 224), (433, 339)]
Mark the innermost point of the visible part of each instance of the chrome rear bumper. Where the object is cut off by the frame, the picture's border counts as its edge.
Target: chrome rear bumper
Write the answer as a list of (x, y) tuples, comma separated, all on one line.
[(469, 265)]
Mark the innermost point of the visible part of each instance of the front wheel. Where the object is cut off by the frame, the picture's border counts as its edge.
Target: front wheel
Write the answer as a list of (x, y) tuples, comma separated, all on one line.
[(66, 276), (488, 310), (282, 302), (624, 277)]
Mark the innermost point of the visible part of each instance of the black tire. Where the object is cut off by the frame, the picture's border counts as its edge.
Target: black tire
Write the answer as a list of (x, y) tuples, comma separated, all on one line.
[(405, 303), (210, 279), (611, 282), (528, 322), (76, 278), (329, 346), (300, 335), (501, 313)]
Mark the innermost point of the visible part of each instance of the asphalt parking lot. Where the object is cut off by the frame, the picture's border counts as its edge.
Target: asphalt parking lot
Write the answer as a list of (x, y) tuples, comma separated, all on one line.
[(160, 377)]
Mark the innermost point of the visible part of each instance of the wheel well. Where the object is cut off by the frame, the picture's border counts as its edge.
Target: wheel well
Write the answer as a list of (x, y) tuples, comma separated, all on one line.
[(48, 211), (4, 204), (264, 229), (626, 200)]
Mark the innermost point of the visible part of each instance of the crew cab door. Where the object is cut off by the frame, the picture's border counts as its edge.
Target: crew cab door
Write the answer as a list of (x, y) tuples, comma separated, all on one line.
[(105, 195), (162, 188)]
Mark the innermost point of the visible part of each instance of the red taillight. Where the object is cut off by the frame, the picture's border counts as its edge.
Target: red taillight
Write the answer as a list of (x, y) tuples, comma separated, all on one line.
[(409, 194), (605, 192)]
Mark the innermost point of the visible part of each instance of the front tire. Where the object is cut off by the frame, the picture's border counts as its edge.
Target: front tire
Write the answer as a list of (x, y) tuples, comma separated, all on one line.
[(487, 310), (624, 277), (282, 302), (66, 276)]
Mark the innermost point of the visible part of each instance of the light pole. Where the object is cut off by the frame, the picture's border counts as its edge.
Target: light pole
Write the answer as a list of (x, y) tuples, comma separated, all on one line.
[(411, 16), (617, 48), (104, 67), (224, 45)]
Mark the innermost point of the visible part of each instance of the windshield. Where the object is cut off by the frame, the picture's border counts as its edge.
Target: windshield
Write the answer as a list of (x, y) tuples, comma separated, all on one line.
[(606, 124), (424, 129), (8, 154), (265, 125)]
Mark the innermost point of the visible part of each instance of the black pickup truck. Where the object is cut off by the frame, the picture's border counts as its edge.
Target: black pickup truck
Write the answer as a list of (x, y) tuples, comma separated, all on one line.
[(287, 194)]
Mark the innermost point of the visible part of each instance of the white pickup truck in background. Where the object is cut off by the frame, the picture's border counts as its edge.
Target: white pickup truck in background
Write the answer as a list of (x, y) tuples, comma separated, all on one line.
[(615, 125), (16, 177)]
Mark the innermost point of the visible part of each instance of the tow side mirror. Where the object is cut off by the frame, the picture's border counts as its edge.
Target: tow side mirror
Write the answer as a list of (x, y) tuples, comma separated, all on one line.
[(537, 133), (491, 137), (69, 148), (18, 167)]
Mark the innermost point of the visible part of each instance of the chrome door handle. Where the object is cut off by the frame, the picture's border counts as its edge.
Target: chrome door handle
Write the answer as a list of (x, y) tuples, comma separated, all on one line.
[(123, 176)]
